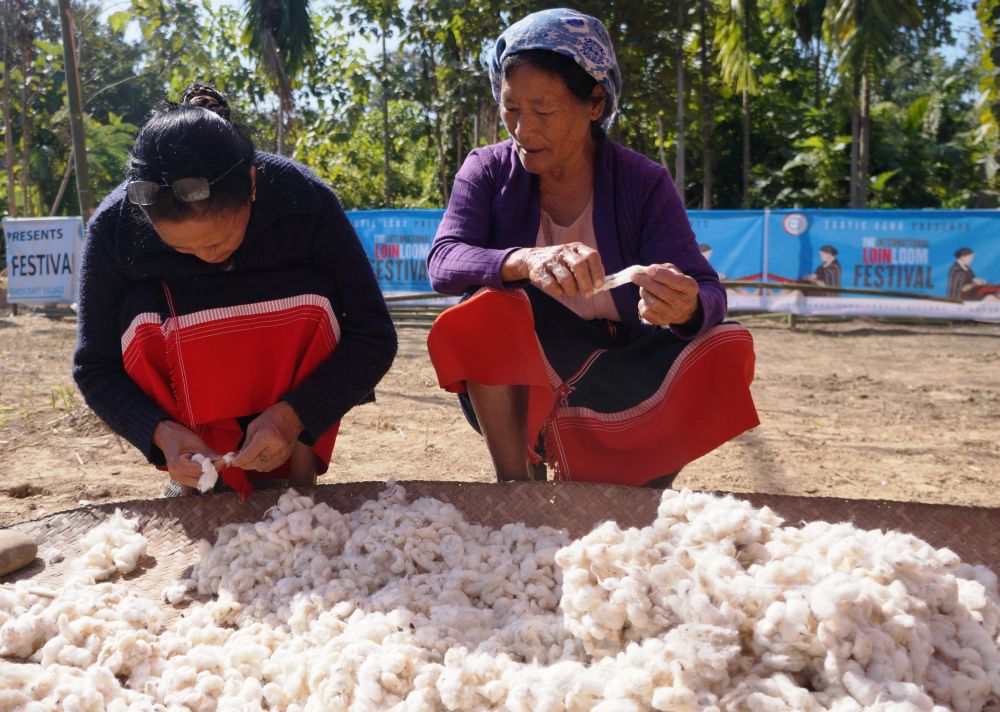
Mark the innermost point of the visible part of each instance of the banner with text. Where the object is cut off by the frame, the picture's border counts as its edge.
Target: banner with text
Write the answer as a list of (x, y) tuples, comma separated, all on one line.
[(397, 243), (918, 252), (43, 258), (909, 252)]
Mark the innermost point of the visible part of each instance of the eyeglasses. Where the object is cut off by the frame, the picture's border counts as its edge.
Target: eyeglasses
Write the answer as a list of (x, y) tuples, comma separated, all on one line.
[(189, 190)]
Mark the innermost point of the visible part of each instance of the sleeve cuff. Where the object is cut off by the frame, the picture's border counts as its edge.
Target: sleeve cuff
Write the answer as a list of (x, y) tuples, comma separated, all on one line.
[(693, 326), (139, 431)]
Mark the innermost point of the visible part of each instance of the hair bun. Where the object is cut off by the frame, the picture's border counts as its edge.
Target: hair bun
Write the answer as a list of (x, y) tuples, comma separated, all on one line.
[(207, 97)]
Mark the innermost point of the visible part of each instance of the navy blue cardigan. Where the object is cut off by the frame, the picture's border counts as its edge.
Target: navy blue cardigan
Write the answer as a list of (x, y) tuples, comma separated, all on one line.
[(296, 221)]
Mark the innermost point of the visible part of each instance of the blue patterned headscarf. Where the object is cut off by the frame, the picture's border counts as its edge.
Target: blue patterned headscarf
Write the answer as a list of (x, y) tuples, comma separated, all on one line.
[(580, 37)]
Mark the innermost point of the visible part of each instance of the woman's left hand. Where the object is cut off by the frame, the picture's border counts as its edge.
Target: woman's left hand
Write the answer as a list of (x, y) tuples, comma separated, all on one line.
[(270, 439), (666, 295)]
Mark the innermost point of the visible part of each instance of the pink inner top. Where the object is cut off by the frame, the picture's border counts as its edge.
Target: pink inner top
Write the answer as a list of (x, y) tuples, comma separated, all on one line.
[(601, 305)]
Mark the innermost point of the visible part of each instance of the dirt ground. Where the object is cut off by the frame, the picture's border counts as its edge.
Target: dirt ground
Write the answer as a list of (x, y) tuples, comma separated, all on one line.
[(855, 409)]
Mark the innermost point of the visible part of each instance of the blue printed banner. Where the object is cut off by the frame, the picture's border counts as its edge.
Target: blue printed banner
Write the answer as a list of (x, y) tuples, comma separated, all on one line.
[(43, 257), (917, 252), (911, 252), (732, 240), (397, 243), (948, 255)]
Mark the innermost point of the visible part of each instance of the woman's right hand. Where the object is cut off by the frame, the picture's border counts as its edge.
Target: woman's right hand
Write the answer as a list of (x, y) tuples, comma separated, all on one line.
[(178, 445), (561, 270)]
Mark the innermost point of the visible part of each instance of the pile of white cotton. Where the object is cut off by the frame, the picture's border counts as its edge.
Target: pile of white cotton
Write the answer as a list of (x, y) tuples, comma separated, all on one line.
[(407, 606)]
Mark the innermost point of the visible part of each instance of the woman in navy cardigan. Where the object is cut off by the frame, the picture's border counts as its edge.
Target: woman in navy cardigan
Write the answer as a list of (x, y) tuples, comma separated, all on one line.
[(226, 305), (621, 384)]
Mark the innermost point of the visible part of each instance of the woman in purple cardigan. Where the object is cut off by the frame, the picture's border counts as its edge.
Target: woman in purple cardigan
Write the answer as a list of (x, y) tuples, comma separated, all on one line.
[(606, 377)]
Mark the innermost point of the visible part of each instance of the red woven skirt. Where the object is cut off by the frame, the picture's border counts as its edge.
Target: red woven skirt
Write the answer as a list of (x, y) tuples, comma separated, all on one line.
[(213, 354), (607, 408)]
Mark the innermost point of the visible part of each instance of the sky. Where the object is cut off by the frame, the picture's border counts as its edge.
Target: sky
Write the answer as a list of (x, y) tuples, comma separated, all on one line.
[(965, 27)]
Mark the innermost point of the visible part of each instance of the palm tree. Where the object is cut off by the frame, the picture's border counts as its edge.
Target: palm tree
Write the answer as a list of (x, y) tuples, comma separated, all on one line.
[(864, 34), (280, 32), (704, 99), (988, 12), (382, 16), (679, 176), (809, 26), (734, 38), (7, 125), (806, 18)]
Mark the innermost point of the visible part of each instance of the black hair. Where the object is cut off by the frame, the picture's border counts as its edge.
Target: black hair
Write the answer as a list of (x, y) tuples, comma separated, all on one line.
[(580, 84), (193, 139), (207, 97), (962, 252), (829, 249)]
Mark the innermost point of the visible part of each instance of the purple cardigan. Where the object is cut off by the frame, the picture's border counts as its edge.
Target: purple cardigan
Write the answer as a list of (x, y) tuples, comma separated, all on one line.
[(495, 209)]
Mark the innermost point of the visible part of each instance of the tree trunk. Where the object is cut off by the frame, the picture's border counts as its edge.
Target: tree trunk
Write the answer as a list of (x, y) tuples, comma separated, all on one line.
[(63, 184), (706, 111), (430, 76), (442, 160), (746, 148), (817, 88), (746, 115), (679, 177), (280, 148), (864, 151), (660, 152), (386, 144), (491, 122), (7, 125), (75, 110), (25, 141), (459, 145), (855, 126)]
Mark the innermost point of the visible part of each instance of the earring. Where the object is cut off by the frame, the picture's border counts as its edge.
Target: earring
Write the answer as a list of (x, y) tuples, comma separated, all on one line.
[(253, 195)]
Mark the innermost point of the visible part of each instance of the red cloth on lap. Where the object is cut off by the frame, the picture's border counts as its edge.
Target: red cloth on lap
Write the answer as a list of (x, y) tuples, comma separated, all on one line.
[(210, 367), (608, 410)]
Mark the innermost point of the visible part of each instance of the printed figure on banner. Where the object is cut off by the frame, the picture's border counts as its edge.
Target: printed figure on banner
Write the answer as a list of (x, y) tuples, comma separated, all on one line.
[(964, 284), (827, 274)]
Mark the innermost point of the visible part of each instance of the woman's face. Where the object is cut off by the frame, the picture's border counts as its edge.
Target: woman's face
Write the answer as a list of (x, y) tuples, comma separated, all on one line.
[(550, 126), (212, 237)]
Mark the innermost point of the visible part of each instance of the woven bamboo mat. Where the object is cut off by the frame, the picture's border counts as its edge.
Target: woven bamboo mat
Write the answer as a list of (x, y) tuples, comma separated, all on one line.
[(174, 526)]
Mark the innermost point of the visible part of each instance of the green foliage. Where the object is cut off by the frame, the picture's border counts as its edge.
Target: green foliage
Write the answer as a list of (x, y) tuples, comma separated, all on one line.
[(107, 143), (935, 125), (353, 165), (987, 139), (815, 176)]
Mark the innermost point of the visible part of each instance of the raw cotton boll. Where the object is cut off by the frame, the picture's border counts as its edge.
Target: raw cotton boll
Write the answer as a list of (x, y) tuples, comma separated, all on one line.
[(631, 683), (837, 591), (51, 555), (406, 606), (618, 706), (21, 636), (11, 699), (674, 699), (175, 592), (209, 475), (114, 546)]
